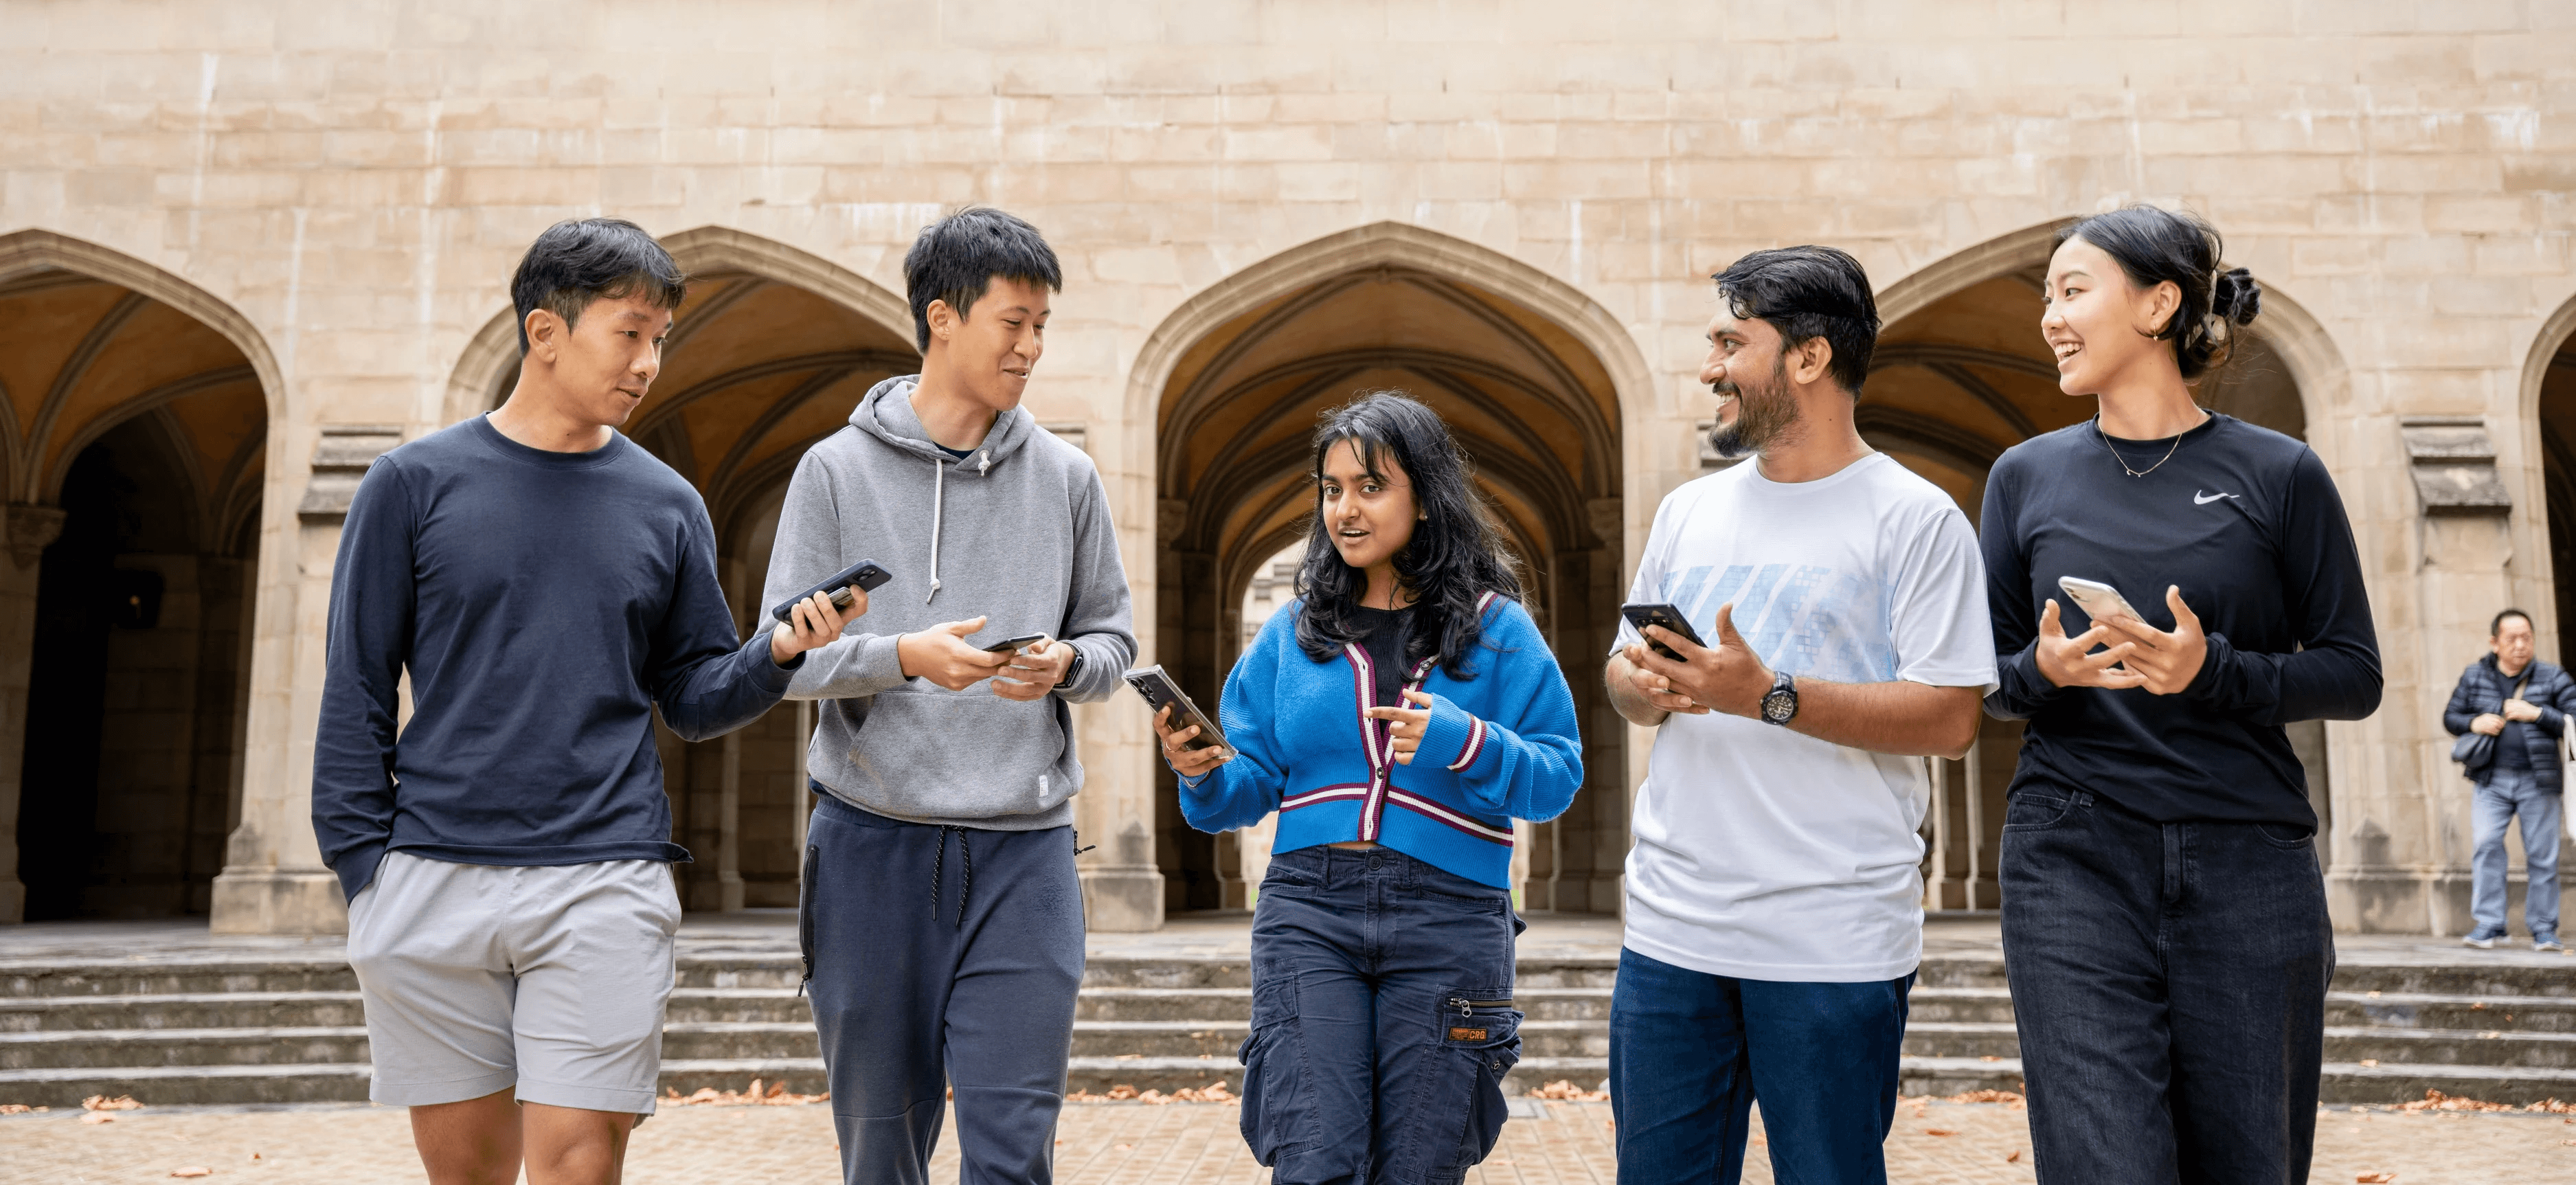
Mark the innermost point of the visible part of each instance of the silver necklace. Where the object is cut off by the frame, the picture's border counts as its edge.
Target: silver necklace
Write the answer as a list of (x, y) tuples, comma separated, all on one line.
[(2160, 461)]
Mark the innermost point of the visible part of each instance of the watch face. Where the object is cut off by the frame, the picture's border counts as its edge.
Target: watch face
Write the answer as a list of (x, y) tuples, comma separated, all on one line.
[(1779, 706)]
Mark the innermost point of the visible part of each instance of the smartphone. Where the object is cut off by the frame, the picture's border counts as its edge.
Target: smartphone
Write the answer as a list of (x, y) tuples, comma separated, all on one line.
[(2099, 601), (1159, 691), (1666, 616), (1012, 645), (864, 576)]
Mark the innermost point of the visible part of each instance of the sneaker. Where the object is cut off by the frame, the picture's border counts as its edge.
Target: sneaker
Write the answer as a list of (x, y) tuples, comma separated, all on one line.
[(2481, 940), (2548, 943)]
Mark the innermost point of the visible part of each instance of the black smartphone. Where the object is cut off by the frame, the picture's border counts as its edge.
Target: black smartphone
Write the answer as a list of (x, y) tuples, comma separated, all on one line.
[(1666, 616), (1012, 645), (864, 576), (1159, 691)]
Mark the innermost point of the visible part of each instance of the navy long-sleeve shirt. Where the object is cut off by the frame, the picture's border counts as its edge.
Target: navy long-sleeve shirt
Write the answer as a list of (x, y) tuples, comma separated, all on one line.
[(2248, 523), (545, 603)]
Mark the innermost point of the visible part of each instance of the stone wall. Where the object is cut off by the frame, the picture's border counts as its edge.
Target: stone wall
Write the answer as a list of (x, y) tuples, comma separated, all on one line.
[(353, 185)]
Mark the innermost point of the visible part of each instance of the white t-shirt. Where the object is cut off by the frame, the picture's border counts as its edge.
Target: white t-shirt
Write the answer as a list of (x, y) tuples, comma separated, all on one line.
[(1762, 853)]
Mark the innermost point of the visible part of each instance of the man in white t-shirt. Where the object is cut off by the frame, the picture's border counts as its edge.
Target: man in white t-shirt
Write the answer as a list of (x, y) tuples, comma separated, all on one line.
[(1774, 906)]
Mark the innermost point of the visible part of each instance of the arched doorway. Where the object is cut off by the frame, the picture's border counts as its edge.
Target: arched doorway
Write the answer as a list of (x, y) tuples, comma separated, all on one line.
[(2557, 448), (769, 355), (132, 456), (1536, 409), (1960, 375)]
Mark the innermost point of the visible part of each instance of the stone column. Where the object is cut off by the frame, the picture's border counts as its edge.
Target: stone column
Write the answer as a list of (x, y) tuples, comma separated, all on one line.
[(31, 528), (2401, 862), (273, 880)]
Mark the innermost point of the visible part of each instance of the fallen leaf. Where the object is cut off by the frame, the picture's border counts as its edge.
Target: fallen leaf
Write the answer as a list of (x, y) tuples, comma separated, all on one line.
[(2015, 1158), (254, 1156), (100, 1102), (2374, 1178), (194, 1170), (1938, 1131), (1989, 1058), (2371, 1062)]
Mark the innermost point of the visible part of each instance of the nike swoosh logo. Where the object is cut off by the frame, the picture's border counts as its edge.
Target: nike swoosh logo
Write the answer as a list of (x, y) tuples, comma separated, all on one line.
[(2201, 499)]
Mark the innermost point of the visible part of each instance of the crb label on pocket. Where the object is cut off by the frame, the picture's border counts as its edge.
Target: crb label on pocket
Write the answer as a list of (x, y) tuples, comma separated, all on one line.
[(1466, 1034)]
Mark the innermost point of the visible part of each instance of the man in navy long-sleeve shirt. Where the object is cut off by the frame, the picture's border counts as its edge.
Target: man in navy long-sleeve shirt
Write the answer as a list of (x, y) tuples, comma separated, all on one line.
[(548, 584)]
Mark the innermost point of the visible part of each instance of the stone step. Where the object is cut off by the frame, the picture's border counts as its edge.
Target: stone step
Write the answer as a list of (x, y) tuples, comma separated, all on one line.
[(2488, 1047), (175, 1048), (2407, 1010), (2467, 977), (172, 1086), (2352, 1082), (1961, 1040), (206, 1010), (27, 978), (1965, 1005), (196, 1010)]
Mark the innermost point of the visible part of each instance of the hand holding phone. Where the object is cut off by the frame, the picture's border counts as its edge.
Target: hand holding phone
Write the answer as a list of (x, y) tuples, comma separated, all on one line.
[(942, 655), (2073, 662), (1188, 739), (1645, 614), (850, 584)]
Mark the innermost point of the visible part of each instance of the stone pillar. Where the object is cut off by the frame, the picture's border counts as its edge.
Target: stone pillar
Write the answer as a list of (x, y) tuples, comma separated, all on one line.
[(2401, 862), (31, 528), (1122, 889), (273, 880)]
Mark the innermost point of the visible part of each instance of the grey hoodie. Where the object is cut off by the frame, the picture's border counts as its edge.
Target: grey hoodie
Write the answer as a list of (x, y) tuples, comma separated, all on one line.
[(1018, 533)]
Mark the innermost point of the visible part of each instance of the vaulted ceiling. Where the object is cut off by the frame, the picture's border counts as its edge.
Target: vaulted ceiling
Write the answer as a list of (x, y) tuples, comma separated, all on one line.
[(1533, 409), (80, 357)]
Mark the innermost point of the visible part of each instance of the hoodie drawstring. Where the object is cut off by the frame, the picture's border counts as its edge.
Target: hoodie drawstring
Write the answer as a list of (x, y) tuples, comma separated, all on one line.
[(938, 509), (938, 487), (965, 872)]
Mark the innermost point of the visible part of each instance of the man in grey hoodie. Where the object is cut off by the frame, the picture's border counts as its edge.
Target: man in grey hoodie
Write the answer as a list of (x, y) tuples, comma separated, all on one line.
[(941, 916)]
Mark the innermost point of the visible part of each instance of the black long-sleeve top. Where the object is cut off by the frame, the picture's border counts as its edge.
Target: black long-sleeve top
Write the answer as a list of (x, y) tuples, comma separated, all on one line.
[(545, 603), (2248, 523)]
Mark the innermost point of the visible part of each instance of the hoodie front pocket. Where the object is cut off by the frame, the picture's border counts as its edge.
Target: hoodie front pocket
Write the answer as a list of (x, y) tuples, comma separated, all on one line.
[(937, 754)]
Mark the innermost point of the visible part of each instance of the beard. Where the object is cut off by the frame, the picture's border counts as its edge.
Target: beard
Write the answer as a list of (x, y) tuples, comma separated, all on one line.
[(1764, 415)]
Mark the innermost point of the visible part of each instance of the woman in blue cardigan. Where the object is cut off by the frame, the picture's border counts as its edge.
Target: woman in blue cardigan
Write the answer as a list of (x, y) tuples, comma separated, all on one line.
[(1399, 715)]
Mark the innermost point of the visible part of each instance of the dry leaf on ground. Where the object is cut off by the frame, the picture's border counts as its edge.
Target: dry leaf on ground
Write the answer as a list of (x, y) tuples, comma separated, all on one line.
[(2374, 1178), (194, 1170)]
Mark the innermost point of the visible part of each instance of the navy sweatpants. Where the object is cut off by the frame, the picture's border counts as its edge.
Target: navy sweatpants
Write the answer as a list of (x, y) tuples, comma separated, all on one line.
[(940, 956)]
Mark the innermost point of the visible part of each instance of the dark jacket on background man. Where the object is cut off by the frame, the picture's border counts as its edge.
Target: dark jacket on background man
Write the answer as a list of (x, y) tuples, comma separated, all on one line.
[(2484, 687)]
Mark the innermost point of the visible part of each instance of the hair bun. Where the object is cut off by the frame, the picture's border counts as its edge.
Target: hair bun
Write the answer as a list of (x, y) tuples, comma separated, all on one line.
[(2234, 296)]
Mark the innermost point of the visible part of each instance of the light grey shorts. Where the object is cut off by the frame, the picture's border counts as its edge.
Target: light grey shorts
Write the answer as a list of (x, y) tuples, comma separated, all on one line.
[(479, 978)]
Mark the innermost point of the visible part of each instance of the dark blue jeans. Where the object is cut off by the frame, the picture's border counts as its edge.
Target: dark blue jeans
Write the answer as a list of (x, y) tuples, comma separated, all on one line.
[(1382, 1022), (2170, 984), (1690, 1052)]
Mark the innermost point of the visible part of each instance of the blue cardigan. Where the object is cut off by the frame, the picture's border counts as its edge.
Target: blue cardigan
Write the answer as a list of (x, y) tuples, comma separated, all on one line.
[(1500, 746)]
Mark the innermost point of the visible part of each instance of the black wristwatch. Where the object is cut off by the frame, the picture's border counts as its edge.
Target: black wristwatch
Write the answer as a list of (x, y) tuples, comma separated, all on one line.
[(1780, 704), (1072, 669)]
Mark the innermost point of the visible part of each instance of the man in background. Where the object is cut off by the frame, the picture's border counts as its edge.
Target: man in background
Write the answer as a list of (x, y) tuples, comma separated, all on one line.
[(2522, 703)]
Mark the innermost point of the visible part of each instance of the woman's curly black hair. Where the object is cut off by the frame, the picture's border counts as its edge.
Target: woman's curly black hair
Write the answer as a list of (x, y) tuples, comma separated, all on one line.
[(2154, 245), (1455, 557)]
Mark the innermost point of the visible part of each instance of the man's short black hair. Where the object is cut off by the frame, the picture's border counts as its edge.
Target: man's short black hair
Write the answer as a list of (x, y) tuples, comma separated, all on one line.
[(2495, 629), (1808, 293), (578, 261), (956, 258)]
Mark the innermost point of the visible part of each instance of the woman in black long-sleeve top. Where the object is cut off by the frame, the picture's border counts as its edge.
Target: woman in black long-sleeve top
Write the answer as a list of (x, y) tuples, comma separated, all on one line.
[(2164, 916)]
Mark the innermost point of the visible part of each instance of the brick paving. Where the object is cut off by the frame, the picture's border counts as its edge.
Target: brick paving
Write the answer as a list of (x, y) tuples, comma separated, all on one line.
[(1934, 1143)]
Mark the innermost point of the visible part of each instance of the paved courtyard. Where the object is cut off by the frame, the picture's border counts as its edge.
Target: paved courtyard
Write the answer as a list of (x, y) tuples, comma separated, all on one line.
[(1132, 1144)]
